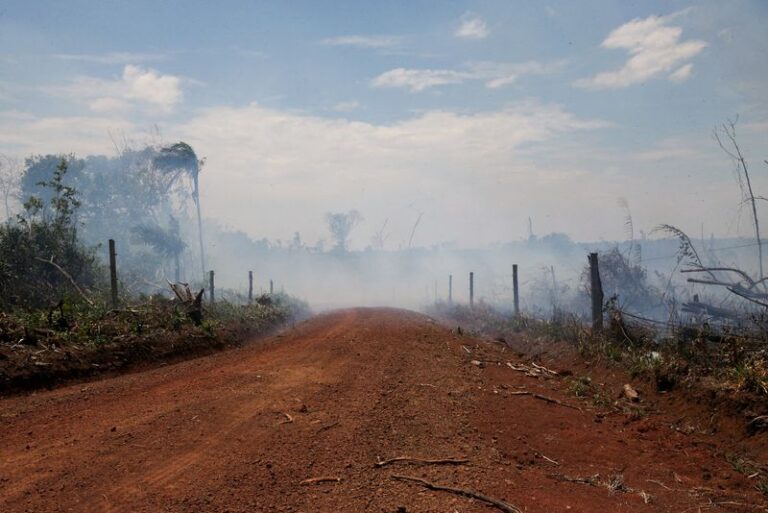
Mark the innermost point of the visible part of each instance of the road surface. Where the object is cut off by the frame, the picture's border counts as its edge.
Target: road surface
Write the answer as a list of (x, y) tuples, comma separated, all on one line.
[(241, 431)]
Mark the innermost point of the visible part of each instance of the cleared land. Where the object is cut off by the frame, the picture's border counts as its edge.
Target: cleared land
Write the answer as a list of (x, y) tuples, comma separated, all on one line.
[(252, 429)]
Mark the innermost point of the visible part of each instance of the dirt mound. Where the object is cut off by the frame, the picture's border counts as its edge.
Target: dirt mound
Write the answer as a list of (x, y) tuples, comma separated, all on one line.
[(325, 416)]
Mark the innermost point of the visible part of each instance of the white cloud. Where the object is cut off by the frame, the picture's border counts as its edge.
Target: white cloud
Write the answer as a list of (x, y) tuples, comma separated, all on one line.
[(655, 49), (363, 41), (682, 73), (149, 86), (136, 87), (419, 79), (26, 134), (113, 57), (472, 27), (494, 74)]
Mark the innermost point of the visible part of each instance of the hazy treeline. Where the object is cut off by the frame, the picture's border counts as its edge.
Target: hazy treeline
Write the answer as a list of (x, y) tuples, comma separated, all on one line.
[(146, 198)]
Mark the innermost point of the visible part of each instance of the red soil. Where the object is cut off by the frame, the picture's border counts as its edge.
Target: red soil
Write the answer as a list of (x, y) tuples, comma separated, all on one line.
[(213, 434)]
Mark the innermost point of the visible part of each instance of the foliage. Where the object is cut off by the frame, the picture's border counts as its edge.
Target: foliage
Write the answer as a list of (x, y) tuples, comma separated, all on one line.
[(625, 281), (134, 193), (41, 258), (341, 224)]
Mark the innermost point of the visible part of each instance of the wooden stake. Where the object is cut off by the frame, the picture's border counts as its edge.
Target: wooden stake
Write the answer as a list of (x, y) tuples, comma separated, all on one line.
[(113, 273), (471, 289), (450, 289), (515, 289), (271, 287), (596, 292), (250, 287), (212, 292)]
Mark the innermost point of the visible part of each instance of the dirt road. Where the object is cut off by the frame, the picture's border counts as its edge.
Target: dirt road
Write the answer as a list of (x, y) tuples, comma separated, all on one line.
[(239, 431)]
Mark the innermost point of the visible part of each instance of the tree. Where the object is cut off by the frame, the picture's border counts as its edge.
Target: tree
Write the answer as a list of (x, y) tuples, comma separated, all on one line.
[(177, 160), (10, 178), (341, 224), (726, 138), (41, 258)]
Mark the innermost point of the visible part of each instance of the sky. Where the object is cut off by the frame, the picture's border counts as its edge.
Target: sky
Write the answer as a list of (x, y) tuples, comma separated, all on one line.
[(473, 115)]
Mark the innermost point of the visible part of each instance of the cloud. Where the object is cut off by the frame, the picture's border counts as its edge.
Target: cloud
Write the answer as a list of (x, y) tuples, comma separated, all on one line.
[(472, 27), (494, 74), (112, 57), (654, 48), (681, 74), (379, 42), (149, 86), (136, 87), (418, 79), (26, 134)]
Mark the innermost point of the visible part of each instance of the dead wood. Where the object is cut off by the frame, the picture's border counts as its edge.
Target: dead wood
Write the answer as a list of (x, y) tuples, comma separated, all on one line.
[(590, 480), (288, 418), (193, 304), (318, 480), (546, 399), (443, 461), (533, 371), (502, 505), (68, 277)]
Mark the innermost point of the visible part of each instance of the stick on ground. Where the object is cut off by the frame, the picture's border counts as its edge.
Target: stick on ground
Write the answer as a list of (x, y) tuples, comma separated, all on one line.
[(318, 480), (504, 506), (443, 461), (546, 399)]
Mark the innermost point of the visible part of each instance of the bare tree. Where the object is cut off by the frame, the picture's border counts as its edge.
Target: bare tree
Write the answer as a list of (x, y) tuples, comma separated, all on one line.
[(726, 138), (341, 224), (10, 179), (380, 236)]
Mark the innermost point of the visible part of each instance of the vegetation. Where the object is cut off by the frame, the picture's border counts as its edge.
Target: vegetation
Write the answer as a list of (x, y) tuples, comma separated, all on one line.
[(55, 322)]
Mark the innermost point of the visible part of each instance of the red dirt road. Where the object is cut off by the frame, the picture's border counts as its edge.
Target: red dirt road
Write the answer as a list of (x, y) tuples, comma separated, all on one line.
[(213, 434)]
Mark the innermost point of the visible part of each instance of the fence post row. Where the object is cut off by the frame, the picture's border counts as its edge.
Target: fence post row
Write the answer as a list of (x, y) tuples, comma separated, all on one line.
[(250, 287), (471, 289), (113, 273), (596, 289), (212, 294), (516, 291)]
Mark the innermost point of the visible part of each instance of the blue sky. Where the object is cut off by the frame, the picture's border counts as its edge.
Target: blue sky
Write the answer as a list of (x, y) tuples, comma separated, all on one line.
[(477, 114)]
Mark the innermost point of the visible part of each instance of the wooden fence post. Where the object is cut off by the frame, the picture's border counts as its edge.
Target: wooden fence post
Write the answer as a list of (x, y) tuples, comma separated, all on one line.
[(212, 293), (450, 289), (515, 290), (271, 287), (596, 290), (471, 289), (113, 273), (250, 287)]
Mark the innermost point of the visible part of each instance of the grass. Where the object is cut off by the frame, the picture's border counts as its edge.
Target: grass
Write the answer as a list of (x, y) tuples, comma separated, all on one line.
[(730, 359)]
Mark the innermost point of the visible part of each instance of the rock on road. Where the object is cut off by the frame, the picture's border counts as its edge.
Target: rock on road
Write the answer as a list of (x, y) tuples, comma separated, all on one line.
[(240, 430)]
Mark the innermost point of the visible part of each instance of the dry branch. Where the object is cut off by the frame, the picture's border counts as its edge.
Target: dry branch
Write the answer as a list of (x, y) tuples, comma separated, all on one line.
[(504, 506), (288, 417), (67, 276), (444, 461), (546, 399), (318, 480)]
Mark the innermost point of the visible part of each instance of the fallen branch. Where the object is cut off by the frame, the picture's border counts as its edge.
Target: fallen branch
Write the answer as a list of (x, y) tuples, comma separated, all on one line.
[(67, 276), (548, 459), (318, 480), (329, 426), (444, 461), (289, 419), (546, 399), (504, 506), (591, 480)]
